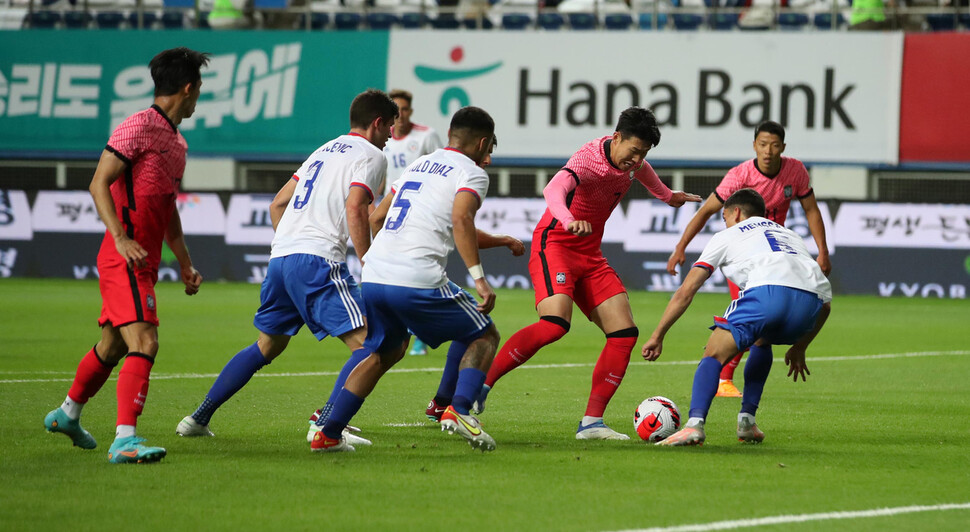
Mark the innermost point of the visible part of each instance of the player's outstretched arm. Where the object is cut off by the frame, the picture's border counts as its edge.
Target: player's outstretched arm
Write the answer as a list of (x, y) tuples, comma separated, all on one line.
[(358, 225), (380, 214), (109, 169), (175, 238), (678, 198), (704, 213), (466, 242), (815, 225), (279, 203), (795, 357), (490, 240), (678, 304)]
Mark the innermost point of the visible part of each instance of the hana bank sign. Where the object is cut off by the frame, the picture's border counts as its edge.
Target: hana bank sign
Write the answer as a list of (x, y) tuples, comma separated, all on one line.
[(449, 81)]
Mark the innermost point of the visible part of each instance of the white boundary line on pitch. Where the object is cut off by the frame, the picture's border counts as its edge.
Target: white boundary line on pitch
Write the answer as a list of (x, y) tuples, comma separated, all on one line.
[(782, 519), (168, 376)]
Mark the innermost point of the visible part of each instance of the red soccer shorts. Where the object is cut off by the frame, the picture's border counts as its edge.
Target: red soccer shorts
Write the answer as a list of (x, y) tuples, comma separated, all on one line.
[(127, 296), (586, 279)]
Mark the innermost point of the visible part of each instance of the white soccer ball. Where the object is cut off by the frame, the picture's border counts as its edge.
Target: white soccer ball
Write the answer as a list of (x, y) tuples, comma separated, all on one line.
[(656, 418)]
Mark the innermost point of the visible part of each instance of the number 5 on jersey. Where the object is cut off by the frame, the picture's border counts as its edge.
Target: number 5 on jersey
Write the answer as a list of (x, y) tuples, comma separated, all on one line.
[(401, 202)]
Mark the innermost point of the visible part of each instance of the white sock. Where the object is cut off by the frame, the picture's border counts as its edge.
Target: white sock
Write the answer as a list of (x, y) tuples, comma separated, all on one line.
[(589, 420), (719, 381), (72, 408), (745, 416), (695, 422), (124, 431)]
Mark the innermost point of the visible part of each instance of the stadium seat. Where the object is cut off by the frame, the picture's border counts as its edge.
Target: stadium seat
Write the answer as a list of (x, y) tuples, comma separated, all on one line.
[(318, 20), (474, 23), (43, 19), (823, 21), (965, 19), (445, 22), (942, 21), (688, 21), (582, 21), (109, 20), (413, 20), (381, 21), (723, 21), (77, 19), (550, 21), (646, 21), (173, 20), (270, 4), (516, 21), (618, 21), (149, 18), (347, 21), (792, 21)]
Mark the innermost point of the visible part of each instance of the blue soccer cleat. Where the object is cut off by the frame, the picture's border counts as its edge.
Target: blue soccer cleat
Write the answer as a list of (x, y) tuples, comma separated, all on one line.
[(58, 421), (131, 451), (418, 348)]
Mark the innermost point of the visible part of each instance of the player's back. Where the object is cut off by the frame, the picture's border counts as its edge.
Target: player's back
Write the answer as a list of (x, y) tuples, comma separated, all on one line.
[(778, 191), (315, 220), (413, 246)]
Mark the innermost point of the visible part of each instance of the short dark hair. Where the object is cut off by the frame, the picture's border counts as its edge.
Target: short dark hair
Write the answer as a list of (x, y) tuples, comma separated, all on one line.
[(641, 123), (176, 68), (749, 201), (370, 105), (402, 94), (470, 123), (770, 126)]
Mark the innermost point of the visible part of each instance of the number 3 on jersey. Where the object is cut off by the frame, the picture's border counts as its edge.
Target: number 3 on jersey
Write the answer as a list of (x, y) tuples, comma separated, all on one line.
[(401, 202), (303, 196)]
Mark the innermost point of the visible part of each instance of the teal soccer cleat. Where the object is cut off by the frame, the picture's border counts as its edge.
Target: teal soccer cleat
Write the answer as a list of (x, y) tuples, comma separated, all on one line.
[(58, 421), (131, 451)]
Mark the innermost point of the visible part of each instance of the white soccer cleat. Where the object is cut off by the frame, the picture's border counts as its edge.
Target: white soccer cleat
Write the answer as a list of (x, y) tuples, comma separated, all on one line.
[(685, 436), (190, 428), (748, 431), (598, 431), (467, 427)]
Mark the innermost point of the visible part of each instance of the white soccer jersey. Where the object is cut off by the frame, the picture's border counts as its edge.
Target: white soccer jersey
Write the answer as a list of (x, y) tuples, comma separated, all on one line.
[(759, 252), (413, 246), (401, 152), (315, 220)]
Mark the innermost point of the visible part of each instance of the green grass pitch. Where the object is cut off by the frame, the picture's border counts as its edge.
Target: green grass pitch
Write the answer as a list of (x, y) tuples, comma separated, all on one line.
[(864, 432)]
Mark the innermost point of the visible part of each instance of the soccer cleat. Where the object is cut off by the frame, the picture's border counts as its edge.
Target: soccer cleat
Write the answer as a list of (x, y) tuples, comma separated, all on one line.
[(748, 431), (58, 421), (322, 444), (189, 427), (726, 388), (684, 436), (468, 427), (418, 348), (435, 411), (348, 433), (478, 406), (131, 451), (598, 431)]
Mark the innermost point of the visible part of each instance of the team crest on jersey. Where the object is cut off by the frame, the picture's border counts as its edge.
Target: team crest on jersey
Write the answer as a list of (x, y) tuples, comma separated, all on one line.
[(413, 146), (150, 302), (788, 191), (561, 277)]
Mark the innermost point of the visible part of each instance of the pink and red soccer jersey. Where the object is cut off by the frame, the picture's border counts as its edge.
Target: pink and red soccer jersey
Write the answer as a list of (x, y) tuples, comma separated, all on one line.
[(778, 191), (144, 197)]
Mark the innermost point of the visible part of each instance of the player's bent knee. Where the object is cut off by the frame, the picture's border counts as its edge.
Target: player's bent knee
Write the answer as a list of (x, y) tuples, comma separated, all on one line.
[(629, 332)]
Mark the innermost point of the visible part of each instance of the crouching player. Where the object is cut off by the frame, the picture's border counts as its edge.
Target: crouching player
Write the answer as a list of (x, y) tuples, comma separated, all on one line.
[(785, 299)]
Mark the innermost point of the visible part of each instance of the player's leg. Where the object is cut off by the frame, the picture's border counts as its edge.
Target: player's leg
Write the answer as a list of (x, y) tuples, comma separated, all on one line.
[(448, 382), (354, 340), (726, 386), (756, 371), (142, 341), (92, 372)]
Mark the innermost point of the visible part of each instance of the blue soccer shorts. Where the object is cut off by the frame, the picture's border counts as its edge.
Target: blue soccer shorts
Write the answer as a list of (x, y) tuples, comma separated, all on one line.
[(779, 314), (308, 289), (435, 315)]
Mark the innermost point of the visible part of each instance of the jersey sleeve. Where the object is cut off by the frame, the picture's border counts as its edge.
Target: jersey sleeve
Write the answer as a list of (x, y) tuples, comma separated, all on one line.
[(712, 257), (729, 185), (130, 139), (564, 182), (649, 178), (369, 172), (475, 182), (803, 183)]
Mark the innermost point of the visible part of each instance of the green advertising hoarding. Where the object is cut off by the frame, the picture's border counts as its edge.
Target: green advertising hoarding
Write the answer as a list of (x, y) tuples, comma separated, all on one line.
[(264, 93)]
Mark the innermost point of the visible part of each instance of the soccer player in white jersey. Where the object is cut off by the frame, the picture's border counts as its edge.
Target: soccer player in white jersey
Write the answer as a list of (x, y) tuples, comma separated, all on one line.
[(430, 212), (307, 282), (785, 299), (408, 142)]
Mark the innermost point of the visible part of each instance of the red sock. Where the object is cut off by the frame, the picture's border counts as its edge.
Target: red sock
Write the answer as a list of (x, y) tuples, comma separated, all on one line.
[(609, 370), (91, 375), (525, 343), (133, 387), (727, 372)]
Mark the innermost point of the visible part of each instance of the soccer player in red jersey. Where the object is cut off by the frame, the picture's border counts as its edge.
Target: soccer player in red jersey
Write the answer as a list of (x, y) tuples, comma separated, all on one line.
[(134, 188), (567, 263), (779, 180)]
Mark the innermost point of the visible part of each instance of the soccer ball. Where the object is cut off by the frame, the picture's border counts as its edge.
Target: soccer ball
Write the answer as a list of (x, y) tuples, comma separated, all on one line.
[(656, 418)]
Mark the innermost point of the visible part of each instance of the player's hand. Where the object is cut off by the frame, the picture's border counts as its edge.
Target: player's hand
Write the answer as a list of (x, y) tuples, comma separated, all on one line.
[(580, 228), (825, 264), (795, 360), (132, 252), (677, 258), (515, 245), (680, 197), (653, 348), (487, 294), (192, 279)]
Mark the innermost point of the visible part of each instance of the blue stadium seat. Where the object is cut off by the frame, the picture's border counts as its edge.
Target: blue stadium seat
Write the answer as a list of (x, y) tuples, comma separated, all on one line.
[(516, 21), (646, 21), (942, 21), (149, 18), (347, 21), (687, 21), (550, 21), (381, 21), (184, 4), (76, 20), (109, 20), (318, 21), (965, 19), (413, 20), (445, 22), (582, 21), (43, 19), (270, 4), (618, 21), (173, 20), (792, 21), (474, 23), (823, 21), (723, 21)]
